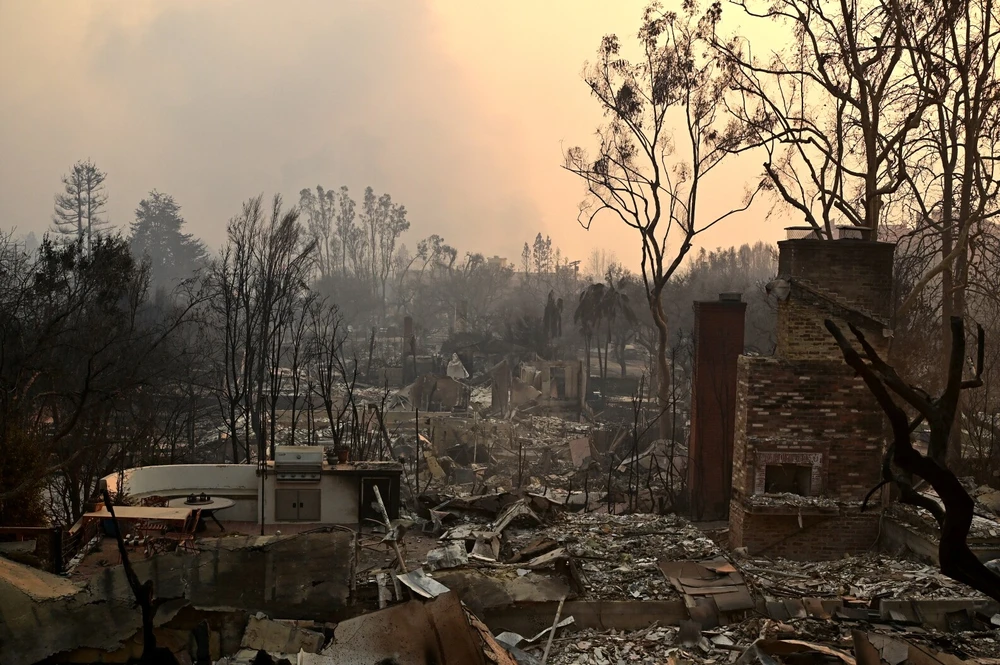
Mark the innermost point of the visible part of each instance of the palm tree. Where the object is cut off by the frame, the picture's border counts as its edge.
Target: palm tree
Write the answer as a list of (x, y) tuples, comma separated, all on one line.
[(615, 308), (602, 306), (588, 317)]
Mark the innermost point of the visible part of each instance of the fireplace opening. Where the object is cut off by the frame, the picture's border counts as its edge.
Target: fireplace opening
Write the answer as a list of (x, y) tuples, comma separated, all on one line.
[(788, 479)]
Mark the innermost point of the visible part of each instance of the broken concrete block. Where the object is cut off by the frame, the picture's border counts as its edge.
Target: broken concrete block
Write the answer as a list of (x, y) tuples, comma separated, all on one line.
[(280, 637), (451, 555), (432, 465), (580, 452), (416, 632)]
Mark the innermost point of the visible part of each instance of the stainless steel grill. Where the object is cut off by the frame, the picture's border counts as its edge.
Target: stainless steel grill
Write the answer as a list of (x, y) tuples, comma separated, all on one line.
[(298, 463)]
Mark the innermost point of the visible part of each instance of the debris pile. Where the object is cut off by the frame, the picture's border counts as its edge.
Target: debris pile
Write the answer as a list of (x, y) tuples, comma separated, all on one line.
[(874, 576), (583, 466), (618, 555), (769, 642), (788, 499), (985, 525), (439, 631)]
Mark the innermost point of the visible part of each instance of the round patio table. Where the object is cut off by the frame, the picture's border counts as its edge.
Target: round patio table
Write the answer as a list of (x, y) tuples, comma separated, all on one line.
[(208, 508)]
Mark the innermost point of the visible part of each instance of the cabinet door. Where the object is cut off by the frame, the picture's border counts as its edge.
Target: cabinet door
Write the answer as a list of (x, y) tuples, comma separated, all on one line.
[(286, 505), (309, 505)]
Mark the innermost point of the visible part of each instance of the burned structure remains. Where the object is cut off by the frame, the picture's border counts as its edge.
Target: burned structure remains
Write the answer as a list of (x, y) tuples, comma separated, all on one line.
[(718, 343), (482, 510), (808, 434)]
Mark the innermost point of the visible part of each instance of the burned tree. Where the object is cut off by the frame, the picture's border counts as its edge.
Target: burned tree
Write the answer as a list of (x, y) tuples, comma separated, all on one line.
[(78, 209), (954, 513), (144, 596), (83, 352), (257, 282), (665, 133), (881, 117)]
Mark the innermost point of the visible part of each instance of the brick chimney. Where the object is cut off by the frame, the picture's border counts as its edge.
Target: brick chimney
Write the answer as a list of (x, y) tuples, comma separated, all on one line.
[(828, 278), (718, 343), (809, 434)]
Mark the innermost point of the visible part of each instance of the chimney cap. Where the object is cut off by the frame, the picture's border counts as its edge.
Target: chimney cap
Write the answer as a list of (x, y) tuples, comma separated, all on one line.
[(853, 232), (801, 233), (731, 296)]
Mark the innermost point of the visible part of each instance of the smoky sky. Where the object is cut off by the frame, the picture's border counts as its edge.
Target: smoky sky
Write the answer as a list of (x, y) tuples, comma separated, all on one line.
[(458, 110)]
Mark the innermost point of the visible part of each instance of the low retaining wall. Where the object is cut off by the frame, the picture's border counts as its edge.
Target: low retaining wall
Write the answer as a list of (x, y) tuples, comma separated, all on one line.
[(238, 482)]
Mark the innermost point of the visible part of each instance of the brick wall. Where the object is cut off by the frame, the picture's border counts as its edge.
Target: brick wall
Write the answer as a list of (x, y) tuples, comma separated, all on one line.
[(807, 407), (719, 337), (740, 471), (801, 332), (829, 278), (820, 537), (858, 271), (736, 524)]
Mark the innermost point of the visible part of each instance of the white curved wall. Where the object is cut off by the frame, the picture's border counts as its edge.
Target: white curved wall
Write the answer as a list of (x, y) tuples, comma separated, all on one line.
[(232, 481)]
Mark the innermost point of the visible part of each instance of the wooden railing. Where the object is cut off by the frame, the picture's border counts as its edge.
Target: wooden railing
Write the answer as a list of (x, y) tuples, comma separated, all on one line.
[(77, 537)]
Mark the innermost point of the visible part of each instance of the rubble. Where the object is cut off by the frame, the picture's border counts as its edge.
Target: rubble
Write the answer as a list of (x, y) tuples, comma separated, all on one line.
[(519, 553), (518, 512), (764, 641), (985, 524), (418, 582), (590, 647), (436, 631), (712, 589), (486, 547), (280, 636), (875, 576), (45, 614), (787, 499), (648, 559), (618, 555), (439, 631), (451, 555)]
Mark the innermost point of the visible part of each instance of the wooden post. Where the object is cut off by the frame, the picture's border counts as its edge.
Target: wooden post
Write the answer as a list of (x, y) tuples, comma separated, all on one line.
[(56, 550), (416, 455), (388, 528), (552, 633)]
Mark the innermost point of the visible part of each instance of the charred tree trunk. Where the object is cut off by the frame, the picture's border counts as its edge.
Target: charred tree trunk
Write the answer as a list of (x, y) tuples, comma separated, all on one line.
[(954, 513), (143, 592), (662, 367)]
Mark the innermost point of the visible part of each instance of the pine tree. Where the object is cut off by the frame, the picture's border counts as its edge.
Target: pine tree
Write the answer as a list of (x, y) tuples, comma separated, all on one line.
[(158, 237), (78, 209), (543, 254)]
